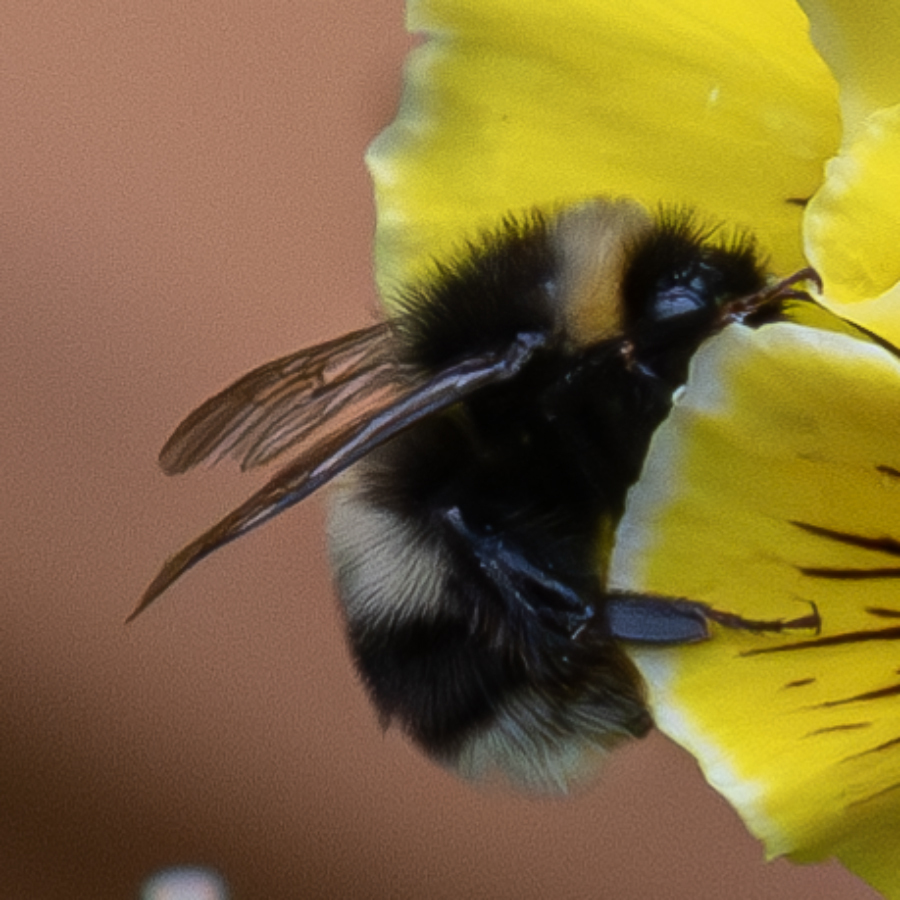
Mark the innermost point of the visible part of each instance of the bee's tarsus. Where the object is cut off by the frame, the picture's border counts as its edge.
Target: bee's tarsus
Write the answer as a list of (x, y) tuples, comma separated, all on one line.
[(810, 622)]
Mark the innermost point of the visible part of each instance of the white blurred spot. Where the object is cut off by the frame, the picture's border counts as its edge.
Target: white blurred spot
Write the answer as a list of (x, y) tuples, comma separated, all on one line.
[(185, 883)]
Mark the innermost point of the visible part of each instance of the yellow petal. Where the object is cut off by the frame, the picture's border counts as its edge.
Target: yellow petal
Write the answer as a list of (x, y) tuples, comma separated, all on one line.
[(859, 42), (508, 104), (775, 484), (852, 226)]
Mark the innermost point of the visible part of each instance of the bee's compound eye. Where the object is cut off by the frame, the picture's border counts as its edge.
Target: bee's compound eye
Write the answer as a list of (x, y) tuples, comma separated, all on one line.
[(675, 302)]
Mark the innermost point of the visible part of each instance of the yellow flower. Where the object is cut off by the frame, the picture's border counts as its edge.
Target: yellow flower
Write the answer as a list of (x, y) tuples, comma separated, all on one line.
[(720, 105), (775, 484), (852, 225)]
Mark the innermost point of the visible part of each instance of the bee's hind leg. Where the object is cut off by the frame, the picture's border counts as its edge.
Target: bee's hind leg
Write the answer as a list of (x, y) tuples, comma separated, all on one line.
[(652, 619)]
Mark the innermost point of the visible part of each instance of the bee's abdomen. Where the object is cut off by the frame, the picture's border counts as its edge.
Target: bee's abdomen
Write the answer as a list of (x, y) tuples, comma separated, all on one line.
[(479, 684)]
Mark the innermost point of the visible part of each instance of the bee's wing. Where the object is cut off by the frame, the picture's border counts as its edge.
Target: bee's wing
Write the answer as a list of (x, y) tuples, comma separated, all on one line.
[(281, 404), (376, 403)]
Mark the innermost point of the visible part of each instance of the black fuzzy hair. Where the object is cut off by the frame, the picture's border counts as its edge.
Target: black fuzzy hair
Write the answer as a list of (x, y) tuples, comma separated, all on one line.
[(492, 291), (682, 249)]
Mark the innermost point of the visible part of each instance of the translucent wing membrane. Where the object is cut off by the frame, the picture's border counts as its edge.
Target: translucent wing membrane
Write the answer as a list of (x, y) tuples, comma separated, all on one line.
[(282, 404), (375, 397)]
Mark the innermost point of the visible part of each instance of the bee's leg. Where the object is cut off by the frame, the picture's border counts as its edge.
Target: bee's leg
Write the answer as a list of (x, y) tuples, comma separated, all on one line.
[(525, 588), (812, 621), (771, 296), (651, 619)]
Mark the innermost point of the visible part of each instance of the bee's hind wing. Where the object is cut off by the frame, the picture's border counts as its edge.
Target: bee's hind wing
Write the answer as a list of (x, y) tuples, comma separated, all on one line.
[(375, 403)]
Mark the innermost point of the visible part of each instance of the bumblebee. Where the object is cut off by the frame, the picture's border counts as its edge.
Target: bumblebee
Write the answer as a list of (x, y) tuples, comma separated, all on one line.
[(486, 435)]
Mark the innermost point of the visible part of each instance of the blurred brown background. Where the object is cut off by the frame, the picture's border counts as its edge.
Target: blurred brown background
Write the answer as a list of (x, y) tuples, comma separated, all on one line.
[(183, 198)]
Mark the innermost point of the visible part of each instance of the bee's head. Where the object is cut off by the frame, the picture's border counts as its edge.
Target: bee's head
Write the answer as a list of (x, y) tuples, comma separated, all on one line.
[(680, 281), (602, 272)]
